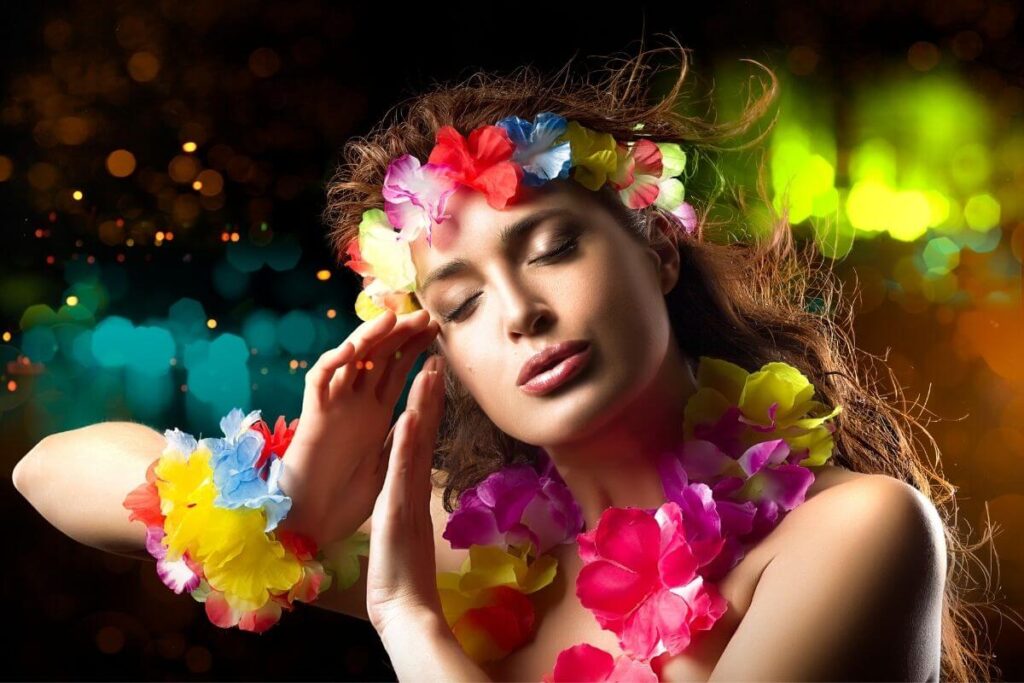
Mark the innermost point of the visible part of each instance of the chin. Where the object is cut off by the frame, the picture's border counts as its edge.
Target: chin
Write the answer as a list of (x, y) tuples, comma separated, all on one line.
[(571, 412)]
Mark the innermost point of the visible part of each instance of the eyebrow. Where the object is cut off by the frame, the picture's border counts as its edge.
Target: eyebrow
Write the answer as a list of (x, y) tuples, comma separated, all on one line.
[(508, 235)]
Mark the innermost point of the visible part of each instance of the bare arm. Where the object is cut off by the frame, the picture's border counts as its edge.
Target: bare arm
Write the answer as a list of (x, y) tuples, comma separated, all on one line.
[(78, 479)]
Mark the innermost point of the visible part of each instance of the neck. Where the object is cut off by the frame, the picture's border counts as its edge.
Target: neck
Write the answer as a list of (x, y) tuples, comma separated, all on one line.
[(616, 465)]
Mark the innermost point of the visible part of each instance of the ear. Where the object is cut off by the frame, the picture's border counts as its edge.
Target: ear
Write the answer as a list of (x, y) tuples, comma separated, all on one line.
[(665, 251)]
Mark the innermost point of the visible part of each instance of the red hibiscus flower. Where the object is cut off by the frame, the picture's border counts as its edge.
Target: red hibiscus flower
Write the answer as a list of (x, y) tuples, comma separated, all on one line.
[(483, 163)]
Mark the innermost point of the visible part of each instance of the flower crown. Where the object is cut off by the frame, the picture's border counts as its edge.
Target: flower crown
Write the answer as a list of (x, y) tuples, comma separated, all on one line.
[(497, 160)]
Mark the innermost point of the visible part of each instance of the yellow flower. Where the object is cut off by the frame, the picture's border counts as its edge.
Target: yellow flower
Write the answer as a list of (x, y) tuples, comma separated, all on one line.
[(798, 418), (594, 155), (390, 258), (487, 567), (237, 555), (261, 565)]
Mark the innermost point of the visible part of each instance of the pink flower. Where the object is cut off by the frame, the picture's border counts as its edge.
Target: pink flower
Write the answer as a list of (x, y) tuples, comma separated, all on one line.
[(585, 662), (640, 580), (415, 196)]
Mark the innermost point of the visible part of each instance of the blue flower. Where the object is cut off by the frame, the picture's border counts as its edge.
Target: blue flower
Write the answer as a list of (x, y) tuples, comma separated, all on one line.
[(233, 460), (540, 158)]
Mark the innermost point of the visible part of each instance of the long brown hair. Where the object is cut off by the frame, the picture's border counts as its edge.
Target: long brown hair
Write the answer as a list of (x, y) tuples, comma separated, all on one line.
[(746, 301)]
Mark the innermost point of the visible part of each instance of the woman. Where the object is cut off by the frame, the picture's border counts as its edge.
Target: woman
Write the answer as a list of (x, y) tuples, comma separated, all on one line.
[(862, 580)]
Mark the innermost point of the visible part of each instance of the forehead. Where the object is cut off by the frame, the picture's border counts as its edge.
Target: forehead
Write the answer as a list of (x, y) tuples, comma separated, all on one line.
[(474, 225)]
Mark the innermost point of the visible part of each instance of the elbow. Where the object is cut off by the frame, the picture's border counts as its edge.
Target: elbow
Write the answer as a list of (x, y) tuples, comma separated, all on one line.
[(24, 469)]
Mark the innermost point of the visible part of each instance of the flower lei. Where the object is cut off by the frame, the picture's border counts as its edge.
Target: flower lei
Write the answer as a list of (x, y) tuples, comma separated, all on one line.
[(212, 509), (498, 160), (648, 575)]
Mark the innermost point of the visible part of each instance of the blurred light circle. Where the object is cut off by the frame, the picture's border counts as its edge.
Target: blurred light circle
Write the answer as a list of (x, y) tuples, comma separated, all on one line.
[(121, 163), (143, 66), (212, 183), (183, 169)]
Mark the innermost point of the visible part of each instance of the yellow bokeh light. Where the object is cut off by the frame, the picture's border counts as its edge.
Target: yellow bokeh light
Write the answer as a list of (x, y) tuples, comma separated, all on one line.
[(938, 207), (910, 215), (868, 205), (323, 275), (211, 323), (71, 300), (982, 212), (189, 147), (197, 185), (77, 194)]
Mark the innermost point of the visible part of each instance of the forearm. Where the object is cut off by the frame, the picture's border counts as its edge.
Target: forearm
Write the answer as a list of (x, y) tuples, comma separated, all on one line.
[(78, 479), (422, 648)]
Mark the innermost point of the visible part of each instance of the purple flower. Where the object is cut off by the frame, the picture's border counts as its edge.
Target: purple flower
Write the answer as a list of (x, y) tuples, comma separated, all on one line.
[(515, 507)]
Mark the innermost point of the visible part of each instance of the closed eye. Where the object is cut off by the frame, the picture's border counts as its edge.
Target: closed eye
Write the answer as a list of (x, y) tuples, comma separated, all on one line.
[(562, 249)]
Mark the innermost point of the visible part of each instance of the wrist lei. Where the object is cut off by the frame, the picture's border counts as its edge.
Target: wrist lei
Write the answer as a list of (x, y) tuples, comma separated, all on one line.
[(648, 575), (212, 511)]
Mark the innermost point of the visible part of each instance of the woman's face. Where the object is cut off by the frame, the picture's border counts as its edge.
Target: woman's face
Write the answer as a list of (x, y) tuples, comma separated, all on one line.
[(575, 275)]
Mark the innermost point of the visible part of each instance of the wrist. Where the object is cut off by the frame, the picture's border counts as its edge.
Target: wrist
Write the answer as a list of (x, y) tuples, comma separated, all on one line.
[(413, 625)]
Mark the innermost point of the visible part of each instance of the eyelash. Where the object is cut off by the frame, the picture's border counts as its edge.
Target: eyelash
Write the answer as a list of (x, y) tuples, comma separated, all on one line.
[(564, 248)]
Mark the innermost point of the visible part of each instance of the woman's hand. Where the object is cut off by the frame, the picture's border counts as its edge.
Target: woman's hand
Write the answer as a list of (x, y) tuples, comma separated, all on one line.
[(401, 580), (401, 577), (331, 470)]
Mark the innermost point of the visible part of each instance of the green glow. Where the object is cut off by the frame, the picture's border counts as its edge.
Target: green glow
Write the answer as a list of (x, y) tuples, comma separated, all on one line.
[(970, 166), (875, 159), (941, 255)]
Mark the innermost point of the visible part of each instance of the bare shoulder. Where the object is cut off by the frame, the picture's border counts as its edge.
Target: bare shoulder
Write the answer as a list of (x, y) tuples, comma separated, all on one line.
[(859, 571), (841, 495), (884, 514)]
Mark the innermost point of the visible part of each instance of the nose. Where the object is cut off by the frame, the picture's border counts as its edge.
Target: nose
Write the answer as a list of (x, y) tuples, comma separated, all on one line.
[(525, 310)]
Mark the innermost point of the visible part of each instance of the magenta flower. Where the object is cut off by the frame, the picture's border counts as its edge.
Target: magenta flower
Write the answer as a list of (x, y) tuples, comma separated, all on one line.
[(750, 493), (640, 578), (516, 506), (585, 662), (415, 196)]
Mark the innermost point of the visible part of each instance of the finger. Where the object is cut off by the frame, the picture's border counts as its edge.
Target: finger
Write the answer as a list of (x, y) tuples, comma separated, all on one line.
[(373, 469), (395, 491), (319, 376), (347, 377), (416, 456), (432, 410), (395, 375), (382, 354), (425, 400)]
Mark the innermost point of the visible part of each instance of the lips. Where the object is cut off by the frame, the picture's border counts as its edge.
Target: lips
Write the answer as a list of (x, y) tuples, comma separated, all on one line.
[(549, 357)]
